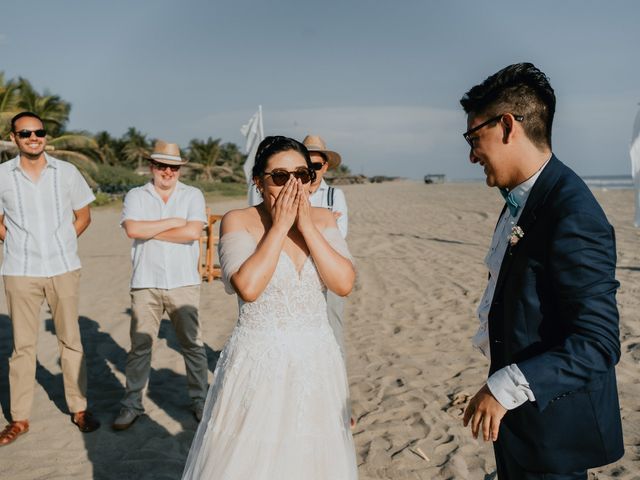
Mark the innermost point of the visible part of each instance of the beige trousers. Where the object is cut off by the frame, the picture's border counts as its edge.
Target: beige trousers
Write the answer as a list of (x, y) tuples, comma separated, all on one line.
[(147, 306), (24, 300)]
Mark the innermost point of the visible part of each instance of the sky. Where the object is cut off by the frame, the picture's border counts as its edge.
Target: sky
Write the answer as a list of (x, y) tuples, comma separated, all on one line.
[(380, 81)]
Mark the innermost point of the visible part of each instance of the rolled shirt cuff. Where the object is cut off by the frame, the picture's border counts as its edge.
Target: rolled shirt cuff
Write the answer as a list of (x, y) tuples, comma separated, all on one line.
[(510, 387)]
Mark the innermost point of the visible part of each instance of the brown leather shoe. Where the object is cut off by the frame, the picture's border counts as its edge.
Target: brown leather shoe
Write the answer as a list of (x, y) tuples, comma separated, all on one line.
[(13, 431), (85, 422)]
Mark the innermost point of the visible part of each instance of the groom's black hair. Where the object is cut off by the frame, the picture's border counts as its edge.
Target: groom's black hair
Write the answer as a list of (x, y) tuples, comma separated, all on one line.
[(276, 144), (519, 89)]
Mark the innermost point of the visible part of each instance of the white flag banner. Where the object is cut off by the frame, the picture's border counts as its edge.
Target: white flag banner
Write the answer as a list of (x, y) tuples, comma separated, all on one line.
[(634, 152), (253, 131)]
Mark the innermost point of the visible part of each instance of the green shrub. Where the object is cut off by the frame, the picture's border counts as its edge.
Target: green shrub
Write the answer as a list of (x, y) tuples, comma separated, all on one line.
[(220, 188), (117, 180), (103, 198)]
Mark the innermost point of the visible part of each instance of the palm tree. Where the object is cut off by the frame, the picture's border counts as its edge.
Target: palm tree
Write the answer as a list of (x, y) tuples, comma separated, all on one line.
[(53, 111), (110, 148), (235, 159), (80, 149), (206, 155), (136, 148), (8, 105)]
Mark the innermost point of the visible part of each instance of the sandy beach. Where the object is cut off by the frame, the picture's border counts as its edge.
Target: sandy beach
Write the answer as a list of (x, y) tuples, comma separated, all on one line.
[(419, 251)]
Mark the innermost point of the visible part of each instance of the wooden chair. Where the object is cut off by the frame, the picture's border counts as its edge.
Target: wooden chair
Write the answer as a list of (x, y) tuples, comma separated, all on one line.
[(208, 246)]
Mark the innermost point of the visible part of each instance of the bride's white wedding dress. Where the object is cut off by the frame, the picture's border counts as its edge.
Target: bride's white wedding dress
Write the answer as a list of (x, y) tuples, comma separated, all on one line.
[(277, 408)]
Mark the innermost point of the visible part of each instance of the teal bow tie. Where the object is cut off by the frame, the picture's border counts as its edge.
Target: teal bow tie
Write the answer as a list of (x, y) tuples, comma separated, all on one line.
[(512, 203)]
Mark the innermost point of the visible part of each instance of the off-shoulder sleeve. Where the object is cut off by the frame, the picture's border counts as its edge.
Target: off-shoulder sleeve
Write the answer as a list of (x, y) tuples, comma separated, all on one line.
[(233, 250), (337, 242)]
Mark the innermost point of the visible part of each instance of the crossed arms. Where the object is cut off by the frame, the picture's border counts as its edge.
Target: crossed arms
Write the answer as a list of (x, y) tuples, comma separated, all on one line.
[(175, 229)]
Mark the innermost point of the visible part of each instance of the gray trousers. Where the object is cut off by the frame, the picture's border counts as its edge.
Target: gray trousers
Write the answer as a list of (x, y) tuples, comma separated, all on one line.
[(335, 312), (147, 306)]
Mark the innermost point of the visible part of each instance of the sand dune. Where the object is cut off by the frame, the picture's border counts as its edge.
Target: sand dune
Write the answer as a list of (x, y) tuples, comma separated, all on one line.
[(419, 251)]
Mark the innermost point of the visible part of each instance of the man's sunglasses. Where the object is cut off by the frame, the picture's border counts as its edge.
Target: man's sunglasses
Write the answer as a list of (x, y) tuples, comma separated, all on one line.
[(40, 133), (318, 165), (164, 166), (470, 140), (280, 177)]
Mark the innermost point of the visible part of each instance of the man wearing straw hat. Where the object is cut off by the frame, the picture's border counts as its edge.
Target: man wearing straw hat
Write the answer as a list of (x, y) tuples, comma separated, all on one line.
[(324, 196), (164, 218)]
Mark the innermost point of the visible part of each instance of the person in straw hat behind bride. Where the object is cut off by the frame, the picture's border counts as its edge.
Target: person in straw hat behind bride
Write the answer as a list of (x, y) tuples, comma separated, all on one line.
[(331, 198), (164, 218)]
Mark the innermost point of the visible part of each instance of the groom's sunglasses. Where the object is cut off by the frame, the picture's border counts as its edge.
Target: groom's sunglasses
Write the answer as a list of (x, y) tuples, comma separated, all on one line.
[(40, 133), (280, 177)]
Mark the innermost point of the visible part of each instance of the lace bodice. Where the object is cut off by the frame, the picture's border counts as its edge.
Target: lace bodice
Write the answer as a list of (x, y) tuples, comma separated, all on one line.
[(292, 299)]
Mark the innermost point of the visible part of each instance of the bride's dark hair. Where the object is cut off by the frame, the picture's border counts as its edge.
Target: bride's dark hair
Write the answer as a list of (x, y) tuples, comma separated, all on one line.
[(276, 144)]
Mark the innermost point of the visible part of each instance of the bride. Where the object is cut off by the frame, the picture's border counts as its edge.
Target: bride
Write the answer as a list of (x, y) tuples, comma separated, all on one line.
[(276, 409)]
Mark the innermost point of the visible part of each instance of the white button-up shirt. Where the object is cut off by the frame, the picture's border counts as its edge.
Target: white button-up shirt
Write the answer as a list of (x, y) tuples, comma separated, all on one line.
[(41, 240), (320, 198), (508, 385), (158, 263)]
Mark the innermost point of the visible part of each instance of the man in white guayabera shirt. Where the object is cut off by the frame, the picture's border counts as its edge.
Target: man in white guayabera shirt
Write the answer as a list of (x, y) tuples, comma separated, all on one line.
[(44, 207), (165, 219)]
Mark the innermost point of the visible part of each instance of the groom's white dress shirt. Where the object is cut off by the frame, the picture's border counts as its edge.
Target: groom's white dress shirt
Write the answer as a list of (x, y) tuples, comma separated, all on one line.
[(508, 385)]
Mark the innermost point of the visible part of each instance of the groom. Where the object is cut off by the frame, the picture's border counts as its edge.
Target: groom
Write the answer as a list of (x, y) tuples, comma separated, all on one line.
[(548, 318)]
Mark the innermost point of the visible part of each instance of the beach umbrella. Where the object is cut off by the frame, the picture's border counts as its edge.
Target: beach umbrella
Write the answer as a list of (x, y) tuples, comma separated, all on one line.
[(634, 152)]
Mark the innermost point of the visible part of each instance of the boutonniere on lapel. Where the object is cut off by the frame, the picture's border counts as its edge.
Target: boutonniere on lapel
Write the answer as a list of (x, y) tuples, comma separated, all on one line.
[(516, 234)]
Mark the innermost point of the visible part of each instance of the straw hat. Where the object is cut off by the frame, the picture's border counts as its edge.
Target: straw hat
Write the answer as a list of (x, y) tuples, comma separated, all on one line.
[(315, 143), (167, 153)]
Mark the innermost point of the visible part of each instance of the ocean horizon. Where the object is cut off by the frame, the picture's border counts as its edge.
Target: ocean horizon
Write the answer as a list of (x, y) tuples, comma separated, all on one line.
[(614, 182)]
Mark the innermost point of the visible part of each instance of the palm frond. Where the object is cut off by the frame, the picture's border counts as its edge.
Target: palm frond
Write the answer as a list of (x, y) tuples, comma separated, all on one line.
[(72, 141), (86, 166)]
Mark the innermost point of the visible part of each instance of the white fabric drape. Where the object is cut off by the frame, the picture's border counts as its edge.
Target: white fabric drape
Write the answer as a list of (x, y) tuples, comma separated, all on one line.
[(253, 131)]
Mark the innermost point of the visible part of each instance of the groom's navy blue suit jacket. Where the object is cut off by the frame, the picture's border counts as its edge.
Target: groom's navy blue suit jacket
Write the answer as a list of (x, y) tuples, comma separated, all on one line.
[(554, 314)]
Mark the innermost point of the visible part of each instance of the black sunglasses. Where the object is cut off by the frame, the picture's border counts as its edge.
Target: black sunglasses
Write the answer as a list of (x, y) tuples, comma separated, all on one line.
[(467, 135), (164, 166), (40, 133), (280, 177), (317, 165)]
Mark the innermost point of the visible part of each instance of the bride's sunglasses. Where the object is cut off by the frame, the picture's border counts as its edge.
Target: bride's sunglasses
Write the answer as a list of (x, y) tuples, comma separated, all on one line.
[(280, 177)]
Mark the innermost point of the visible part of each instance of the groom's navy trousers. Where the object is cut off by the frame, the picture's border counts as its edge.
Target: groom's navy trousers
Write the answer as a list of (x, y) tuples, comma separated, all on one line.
[(554, 314)]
